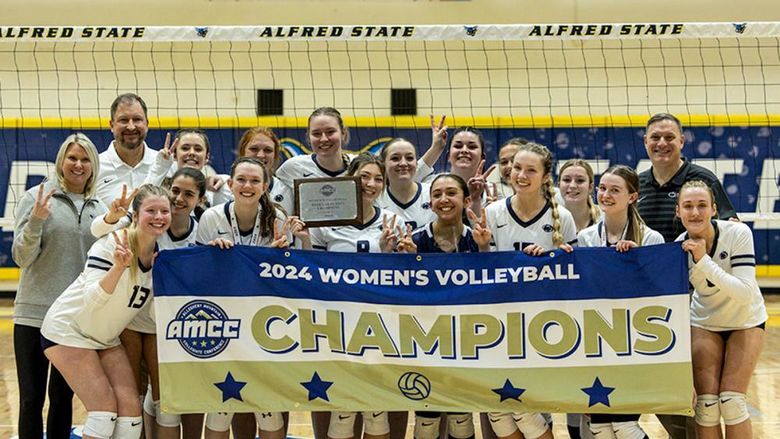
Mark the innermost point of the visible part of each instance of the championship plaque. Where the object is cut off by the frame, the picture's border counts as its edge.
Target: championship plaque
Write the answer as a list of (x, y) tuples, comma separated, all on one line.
[(329, 201)]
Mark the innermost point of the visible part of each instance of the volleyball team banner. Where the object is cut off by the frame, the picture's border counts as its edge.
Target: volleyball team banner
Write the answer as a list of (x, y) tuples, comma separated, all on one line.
[(260, 329)]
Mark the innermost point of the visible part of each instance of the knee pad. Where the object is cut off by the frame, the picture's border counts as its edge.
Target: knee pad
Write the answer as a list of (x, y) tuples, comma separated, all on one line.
[(165, 419), (269, 421), (376, 423), (502, 423), (532, 425), (341, 425), (100, 424), (128, 427), (426, 428), (602, 430), (148, 403), (460, 425), (628, 430), (733, 408), (219, 421), (707, 410)]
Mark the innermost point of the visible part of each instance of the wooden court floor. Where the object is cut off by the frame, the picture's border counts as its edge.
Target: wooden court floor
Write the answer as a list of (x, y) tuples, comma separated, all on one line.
[(764, 393)]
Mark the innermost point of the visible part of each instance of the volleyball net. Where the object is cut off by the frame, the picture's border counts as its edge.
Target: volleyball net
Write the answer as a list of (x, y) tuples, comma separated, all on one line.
[(584, 90)]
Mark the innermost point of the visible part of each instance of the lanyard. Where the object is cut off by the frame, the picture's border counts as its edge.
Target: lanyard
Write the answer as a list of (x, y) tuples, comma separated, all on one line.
[(237, 233), (603, 233)]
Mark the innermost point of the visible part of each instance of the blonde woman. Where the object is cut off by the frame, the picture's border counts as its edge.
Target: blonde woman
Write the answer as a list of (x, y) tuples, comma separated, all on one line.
[(51, 240)]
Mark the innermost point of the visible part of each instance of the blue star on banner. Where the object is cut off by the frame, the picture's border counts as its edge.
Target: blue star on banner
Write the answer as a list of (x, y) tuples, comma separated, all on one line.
[(230, 388), (317, 387), (509, 391), (598, 393)]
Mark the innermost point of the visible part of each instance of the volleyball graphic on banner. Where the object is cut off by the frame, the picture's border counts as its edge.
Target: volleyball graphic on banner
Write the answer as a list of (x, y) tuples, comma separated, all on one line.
[(414, 386)]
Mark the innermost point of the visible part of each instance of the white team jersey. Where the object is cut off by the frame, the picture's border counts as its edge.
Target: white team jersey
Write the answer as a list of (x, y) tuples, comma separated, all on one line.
[(511, 233), (305, 166), (215, 223), (144, 321), (220, 196), (593, 236), (101, 228), (424, 173), (726, 294), (86, 316), (351, 239), (281, 195), (417, 212)]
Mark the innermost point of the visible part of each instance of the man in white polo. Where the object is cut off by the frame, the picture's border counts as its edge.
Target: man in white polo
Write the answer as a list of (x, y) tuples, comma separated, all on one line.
[(128, 159)]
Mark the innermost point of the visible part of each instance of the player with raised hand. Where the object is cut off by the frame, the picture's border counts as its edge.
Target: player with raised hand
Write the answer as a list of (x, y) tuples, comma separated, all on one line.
[(728, 315), (431, 156), (188, 190), (81, 331), (478, 185), (190, 149), (50, 244), (117, 217), (466, 158)]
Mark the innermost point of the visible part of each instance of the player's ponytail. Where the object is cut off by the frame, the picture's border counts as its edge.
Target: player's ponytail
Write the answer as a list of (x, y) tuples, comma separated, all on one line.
[(549, 194), (267, 214)]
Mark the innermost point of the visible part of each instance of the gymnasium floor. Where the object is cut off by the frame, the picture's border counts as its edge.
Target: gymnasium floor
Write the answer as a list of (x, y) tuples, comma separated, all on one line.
[(764, 393)]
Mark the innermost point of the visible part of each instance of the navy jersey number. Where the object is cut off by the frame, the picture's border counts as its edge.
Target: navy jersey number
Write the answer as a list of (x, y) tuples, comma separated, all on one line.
[(363, 246), (521, 246), (139, 297)]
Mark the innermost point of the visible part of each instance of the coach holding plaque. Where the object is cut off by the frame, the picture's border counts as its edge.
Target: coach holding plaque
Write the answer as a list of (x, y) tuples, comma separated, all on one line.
[(332, 201)]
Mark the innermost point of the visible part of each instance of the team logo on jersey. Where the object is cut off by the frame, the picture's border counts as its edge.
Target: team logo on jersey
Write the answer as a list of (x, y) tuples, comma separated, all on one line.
[(548, 228), (327, 190), (426, 205), (279, 198), (672, 194), (724, 254), (202, 328)]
